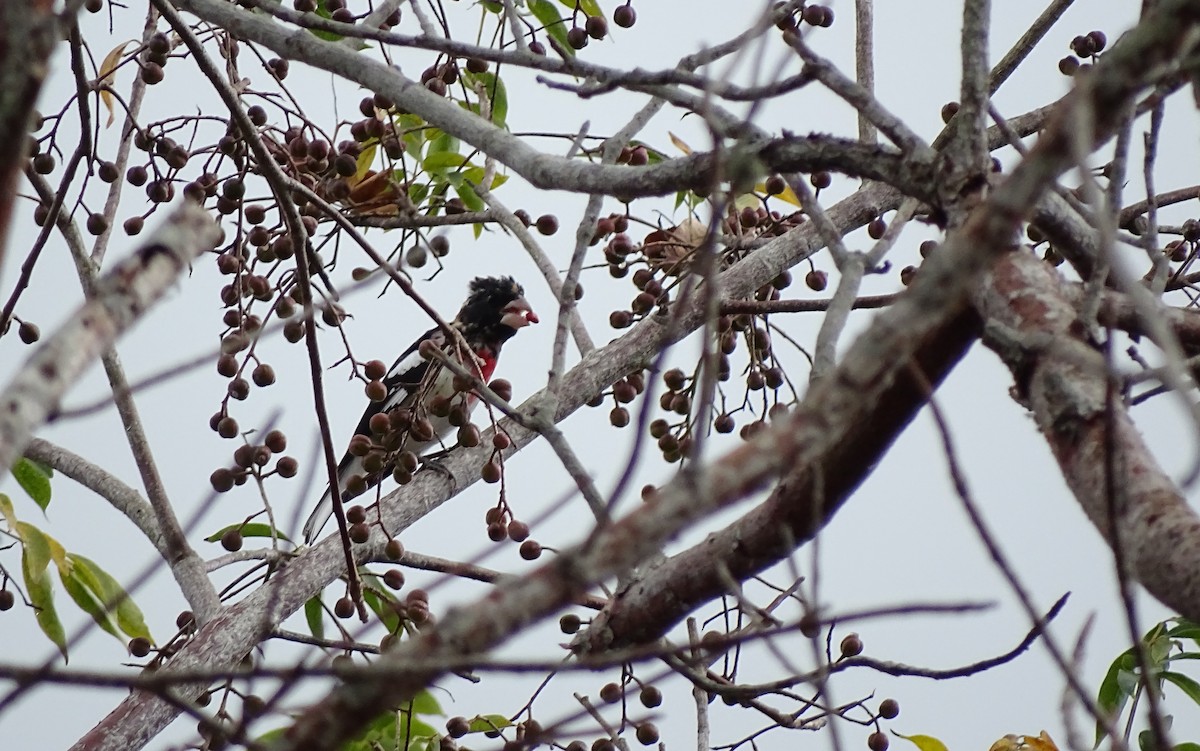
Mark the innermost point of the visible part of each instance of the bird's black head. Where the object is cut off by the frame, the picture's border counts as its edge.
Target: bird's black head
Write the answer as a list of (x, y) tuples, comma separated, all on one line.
[(494, 310)]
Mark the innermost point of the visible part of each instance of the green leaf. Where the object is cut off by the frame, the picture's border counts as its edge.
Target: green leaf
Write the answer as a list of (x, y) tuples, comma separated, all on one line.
[(545, 12), (324, 12), (271, 736), (418, 192), (468, 195), (314, 613), (101, 596), (497, 93), (440, 162), (491, 6), (35, 561), (33, 480), (1184, 683), (440, 141), (425, 703), (380, 602), (1185, 629), (255, 529), (1111, 697), (591, 7), (412, 129), (1189, 746), (475, 175)]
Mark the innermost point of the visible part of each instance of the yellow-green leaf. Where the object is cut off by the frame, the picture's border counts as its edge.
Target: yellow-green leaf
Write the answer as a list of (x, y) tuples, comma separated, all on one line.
[(788, 196), (101, 596), (254, 529), (107, 68), (485, 722), (366, 158), (679, 143), (923, 742), (35, 562), (6, 510)]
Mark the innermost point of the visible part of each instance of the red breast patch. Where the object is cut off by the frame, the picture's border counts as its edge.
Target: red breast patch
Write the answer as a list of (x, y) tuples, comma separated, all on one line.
[(487, 364)]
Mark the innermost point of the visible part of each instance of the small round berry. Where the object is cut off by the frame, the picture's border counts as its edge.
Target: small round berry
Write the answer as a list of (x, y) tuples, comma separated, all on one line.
[(7, 599), (821, 180), (889, 709), (876, 228), (108, 172), (619, 417), (139, 646), (647, 734), (502, 387), (547, 224), (490, 472), (96, 224), (813, 15), (263, 375), (569, 623), (816, 280), (577, 38), (343, 608), (227, 427), (231, 540), (877, 741), (650, 697), (29, 332), (287, 466), (222, 480), (851, 645), (530, 550), (625, 16), (359, 533), (610, 693), (394, 578), (518, 531), (394, 549), (674, 379), (457, 727), (597, 27)]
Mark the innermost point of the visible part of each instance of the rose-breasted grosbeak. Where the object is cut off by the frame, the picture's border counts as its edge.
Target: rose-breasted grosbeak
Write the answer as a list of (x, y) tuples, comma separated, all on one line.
[(420, 405)]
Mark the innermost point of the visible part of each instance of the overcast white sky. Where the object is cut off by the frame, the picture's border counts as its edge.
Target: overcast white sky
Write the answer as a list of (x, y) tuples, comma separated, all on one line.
[(902, 538)]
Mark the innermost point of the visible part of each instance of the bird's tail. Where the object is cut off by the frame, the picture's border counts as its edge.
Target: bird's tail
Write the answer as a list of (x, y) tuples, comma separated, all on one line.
[(318, 518)]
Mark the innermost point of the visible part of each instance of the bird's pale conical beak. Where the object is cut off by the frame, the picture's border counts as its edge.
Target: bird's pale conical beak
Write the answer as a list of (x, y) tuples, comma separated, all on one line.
[(518, 314)]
